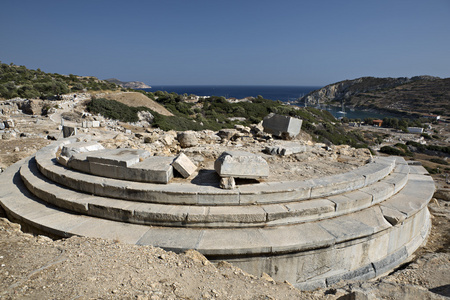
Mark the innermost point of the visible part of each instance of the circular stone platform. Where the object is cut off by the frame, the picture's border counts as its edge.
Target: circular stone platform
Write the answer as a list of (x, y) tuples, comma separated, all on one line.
[(313, 233)]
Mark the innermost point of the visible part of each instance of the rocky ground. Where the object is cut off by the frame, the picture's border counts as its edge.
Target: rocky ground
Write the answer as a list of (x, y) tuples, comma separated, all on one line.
[(37, 267)]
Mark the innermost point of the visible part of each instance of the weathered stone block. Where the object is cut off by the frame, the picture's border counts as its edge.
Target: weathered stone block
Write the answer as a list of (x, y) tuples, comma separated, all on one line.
[(241, 164), (154, 169), (118, 157), (69, 131), (282, 126), (184, 165), (80, 147)]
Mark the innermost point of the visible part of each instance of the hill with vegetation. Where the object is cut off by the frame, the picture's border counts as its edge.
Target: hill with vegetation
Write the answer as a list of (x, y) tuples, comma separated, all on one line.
[(216, 113), (416, 95), (18, 81)]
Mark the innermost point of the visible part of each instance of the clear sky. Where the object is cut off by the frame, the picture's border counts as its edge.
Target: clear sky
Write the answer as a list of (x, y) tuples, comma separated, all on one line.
[(209, 42)]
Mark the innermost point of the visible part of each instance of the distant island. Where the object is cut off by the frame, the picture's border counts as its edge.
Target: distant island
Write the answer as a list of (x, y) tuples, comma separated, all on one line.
[(129, 84)]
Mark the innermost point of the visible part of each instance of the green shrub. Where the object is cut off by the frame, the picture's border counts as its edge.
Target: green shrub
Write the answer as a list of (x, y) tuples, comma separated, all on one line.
[(115, 110), (439, 161), (392, 151)]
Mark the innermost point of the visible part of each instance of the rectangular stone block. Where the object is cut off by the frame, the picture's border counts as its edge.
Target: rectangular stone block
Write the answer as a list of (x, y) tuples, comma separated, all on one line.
[(380, 191), (397, 179), (418, 170), (414, 196), (373, 172), (335, 184), (184, 165), (153, 169), (351, 201), (245, 214), (241, 164), (362, 273), (172, 239), (69, 131), (282, 126), (346, 228), (225, 242), (390, 262), (299, 237), (275, 192), (275, 211), (316, 207)]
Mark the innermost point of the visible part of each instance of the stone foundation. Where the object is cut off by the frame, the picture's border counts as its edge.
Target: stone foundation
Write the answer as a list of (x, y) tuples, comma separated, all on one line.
[(313, 233)]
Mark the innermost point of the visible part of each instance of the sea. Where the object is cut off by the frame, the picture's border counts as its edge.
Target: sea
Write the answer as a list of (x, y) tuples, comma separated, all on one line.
[(277, 92)]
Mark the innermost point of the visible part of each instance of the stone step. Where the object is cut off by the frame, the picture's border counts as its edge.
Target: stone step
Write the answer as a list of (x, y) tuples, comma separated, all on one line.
[(362, 244), (210, 195), (211, 216), (22, 204)]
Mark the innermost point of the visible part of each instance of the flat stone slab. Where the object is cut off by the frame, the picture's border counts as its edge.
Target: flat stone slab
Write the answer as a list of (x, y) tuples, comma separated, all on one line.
[(241, 164), (118, 157)]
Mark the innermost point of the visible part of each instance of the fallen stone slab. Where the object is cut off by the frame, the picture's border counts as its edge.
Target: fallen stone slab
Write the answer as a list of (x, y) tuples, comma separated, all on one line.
[(184, 165), (241, 164), (286, 149), (282, 126)]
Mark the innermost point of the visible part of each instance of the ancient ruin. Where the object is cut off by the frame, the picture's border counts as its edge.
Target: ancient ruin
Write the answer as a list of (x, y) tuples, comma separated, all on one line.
[(355, 225)]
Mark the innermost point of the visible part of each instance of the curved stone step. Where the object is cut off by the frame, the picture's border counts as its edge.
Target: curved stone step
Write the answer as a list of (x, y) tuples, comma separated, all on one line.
[(191, 194), (361, 244), (410, 200), (211, 216)]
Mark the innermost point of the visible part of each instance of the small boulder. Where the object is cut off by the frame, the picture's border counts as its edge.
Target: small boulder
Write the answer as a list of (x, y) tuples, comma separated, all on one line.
[(187, 139)]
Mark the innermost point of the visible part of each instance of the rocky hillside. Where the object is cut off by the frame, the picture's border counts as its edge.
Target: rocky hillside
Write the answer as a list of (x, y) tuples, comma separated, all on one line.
[(420, 94), (129, 84)]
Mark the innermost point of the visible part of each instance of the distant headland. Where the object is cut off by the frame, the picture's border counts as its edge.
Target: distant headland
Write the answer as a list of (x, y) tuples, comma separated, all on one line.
[(129, 84)]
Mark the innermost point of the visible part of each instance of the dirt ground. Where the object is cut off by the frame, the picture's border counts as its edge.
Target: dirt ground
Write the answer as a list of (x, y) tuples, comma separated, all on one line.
[(36, 267)]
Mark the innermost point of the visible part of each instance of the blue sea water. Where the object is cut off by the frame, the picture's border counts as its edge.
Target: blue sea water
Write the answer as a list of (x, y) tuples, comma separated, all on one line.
[(282, 93)]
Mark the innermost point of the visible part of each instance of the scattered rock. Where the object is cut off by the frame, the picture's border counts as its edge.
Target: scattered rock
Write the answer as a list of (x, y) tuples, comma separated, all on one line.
[(187, 139)]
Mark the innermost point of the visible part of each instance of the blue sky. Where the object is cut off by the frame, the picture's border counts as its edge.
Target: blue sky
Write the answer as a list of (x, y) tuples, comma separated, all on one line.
[(181, 42)]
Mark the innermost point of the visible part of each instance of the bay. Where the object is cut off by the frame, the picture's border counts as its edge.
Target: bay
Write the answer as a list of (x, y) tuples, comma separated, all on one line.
[(271, 92)]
